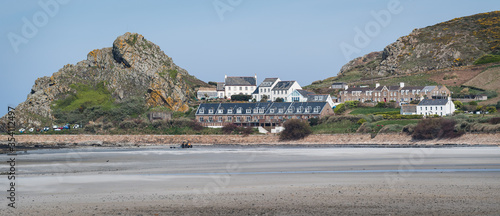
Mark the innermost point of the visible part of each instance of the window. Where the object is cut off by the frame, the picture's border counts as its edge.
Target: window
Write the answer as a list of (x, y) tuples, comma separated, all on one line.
[(230, 118), (246, 88), (280, 110), (229, 111), (299, 110), (255, 110), (239, 110), (431, 108), (256, 119), (220, 119), (290, 109), (271, 110), (261, 110), (249, 119), (316, 109), (308, 109), (201, 119), (441, 108), (210, 119), (238, 119), (211, 111), (249, 110), (202, 110), (220, 111), (229, 88), (241, 88)]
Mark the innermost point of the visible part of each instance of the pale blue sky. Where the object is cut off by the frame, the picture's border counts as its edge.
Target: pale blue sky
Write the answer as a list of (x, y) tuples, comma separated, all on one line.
[(291, 39)]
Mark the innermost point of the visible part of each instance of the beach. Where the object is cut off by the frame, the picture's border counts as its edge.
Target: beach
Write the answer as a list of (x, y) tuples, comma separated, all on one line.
[(256, 180)]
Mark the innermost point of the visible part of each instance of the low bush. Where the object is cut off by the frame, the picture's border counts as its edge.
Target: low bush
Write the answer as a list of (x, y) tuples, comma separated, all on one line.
[(339, 109), (494, 120), (128, 124), (229, 128), (361, 121), (436, 128), (295, 129), (399, 116), (241, 97), (393, 128)]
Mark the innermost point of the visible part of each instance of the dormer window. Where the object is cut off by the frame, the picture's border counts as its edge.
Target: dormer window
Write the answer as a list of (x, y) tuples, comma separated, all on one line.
[(249, 110), (299, 110), (280, 110), (290, 109), (308, 109), (239, 110), (211, 111), (202, 110), (255, 110), (316, 109), (229, 111), (261, 110), (271, 110), (220, 111)]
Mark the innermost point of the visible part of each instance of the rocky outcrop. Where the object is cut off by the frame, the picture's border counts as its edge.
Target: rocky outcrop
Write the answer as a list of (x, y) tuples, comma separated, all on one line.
[(134, 66), (457, 42)]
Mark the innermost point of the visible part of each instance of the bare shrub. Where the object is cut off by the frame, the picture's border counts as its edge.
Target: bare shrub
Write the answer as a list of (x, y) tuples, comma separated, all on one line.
[(436, 128), (295, 129)]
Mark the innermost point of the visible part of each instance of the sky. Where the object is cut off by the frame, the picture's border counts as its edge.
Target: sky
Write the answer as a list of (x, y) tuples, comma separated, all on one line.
[(303, 40)]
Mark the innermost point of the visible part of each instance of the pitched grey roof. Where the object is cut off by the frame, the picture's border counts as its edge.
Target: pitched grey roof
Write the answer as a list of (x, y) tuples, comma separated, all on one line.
[(304, 93), (220, 86), (433, 102), (256, 91), (358, 89), (241, 81), (412, 88), (283, 85), (428, 88), (317, 97), (268, 82), (409, 108), (265, 108), (339, 83), (393, 88)]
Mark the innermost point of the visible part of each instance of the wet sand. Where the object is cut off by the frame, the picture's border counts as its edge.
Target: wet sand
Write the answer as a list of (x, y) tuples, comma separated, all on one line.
[(248, 180)]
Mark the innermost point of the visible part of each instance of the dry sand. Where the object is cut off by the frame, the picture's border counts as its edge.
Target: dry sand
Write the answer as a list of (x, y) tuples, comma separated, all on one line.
[(258, 181)]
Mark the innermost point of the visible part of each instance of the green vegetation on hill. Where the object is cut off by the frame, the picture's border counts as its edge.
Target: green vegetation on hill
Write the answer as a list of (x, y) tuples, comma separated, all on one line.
[(85, 96), (489, 58)]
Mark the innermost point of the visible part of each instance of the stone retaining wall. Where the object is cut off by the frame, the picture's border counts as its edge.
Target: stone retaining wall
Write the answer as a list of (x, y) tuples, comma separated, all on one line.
[(471, 139)]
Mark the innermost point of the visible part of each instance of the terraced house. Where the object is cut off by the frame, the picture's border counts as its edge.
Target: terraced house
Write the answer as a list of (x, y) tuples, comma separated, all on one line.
[(401, 94), (259, 114)]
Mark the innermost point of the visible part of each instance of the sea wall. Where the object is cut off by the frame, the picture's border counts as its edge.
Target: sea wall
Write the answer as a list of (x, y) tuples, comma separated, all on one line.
[(382, 139)]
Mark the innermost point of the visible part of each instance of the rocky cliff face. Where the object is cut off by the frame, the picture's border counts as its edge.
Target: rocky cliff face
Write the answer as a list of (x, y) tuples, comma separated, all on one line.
[(457, 42), (134, 66)]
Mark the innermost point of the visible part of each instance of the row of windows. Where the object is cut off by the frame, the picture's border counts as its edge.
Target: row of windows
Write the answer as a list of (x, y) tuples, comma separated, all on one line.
[(247, 119), (240, 88), (261, 110), (280, 91), (430, 108)]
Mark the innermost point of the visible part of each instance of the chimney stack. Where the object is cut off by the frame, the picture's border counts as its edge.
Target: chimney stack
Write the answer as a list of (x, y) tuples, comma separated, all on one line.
[(402, 84), (377, 85)]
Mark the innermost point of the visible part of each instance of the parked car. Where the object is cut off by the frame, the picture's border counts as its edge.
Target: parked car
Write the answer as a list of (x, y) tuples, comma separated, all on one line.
[(46, 129), (31, 130), (76, 126), (21, 130), (54, 127), (66, 126), (57, 129)]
